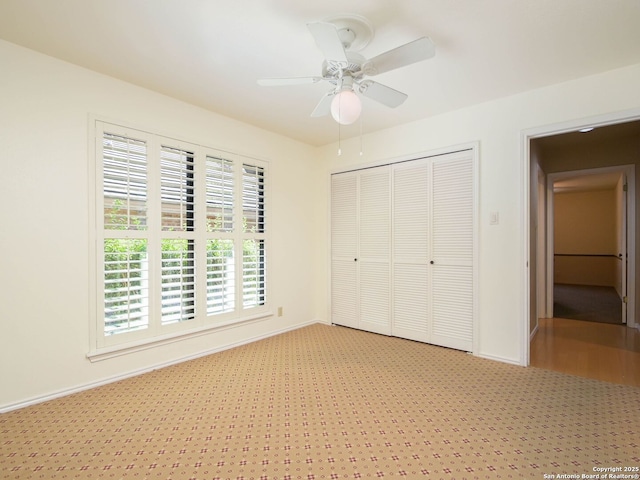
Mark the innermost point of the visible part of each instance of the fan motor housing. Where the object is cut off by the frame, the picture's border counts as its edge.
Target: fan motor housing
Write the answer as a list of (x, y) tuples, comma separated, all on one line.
[(337, 70)]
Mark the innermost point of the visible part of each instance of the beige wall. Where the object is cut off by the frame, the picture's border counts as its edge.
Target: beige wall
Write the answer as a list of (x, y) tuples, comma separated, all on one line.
[(585, 225)]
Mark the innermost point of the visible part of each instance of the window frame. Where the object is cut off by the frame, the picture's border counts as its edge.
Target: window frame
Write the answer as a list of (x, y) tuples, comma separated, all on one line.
[(108, 345)]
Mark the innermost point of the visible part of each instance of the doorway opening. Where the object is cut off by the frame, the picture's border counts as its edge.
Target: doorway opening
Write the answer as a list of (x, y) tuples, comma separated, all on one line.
[(561, 153), (586, 244)]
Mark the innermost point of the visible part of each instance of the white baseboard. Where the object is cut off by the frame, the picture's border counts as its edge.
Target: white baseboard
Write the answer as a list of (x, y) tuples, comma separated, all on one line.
[(500, 359), (533, 333), (123, 376)]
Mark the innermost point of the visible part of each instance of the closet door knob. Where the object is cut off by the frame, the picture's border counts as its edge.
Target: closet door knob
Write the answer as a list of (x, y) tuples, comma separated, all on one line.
[(432, 262)]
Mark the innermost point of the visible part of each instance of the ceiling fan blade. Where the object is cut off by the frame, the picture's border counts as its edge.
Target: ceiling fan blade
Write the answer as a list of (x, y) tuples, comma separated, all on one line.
[(328, 41), (324, 107), (412, 52), (382, 94), (276, 82)]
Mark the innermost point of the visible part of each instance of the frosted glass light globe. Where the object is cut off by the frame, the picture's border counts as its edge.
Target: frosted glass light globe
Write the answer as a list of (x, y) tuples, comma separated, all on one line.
[(346, 107)]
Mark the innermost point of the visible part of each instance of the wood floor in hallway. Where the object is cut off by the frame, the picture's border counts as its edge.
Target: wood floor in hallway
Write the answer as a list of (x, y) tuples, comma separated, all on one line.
[(588, 349)]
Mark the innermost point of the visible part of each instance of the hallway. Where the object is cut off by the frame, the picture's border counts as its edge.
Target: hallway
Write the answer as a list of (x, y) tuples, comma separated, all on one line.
[(587, 302), (588, 349)]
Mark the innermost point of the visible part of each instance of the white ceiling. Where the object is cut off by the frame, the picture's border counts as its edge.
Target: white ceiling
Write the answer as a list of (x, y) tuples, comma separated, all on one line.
[(211, 52)]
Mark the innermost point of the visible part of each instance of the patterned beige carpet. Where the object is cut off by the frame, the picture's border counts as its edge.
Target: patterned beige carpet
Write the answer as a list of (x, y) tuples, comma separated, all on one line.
[(329, 402)]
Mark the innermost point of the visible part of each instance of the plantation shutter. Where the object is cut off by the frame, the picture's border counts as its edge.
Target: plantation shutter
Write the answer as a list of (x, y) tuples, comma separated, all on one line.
[(178, 252), (124, 163), (253, 247), (181, 240), (124, 265), (220, 188), (452, 279), (220, 204)]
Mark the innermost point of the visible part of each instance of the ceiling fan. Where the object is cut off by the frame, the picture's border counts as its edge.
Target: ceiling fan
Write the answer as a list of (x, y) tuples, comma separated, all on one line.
[(339, 39)]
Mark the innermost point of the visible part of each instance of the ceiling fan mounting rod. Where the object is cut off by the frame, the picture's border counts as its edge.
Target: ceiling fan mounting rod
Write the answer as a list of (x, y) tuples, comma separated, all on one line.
[(347, 36)]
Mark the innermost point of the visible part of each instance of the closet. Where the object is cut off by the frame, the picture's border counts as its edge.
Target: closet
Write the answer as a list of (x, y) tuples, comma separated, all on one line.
[(402, 249)]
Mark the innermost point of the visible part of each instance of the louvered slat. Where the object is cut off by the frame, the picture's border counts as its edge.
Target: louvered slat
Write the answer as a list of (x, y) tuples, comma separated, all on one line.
[(177, 189), (344, 216), (124, 182), (126, 285), (452, 274), (177, 275), (344, 293), (253, 273), (220, 276), (253, 198), (220, 194), (410, 301), (375, 212), (374, 297), (453, 306), (411, 211), (453, 211)]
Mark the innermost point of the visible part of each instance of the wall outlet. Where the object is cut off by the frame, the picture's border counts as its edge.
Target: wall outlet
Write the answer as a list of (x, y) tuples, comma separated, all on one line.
[(280, 309)]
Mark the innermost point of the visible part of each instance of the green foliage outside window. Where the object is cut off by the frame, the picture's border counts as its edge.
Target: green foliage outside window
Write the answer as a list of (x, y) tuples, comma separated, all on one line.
[(126, 268)]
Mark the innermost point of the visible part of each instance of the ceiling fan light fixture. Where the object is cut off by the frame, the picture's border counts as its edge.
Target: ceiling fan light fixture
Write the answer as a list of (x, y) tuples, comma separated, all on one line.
[(346, 107)]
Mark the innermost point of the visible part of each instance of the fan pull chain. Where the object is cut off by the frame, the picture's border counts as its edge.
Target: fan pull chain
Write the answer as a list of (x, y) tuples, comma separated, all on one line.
[(361, 135), (339, 129)]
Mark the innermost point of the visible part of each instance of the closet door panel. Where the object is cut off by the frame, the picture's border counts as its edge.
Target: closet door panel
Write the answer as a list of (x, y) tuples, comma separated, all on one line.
[(452, 252), (374, 297), (410, 286), (344, 216), (410, 301), (453, 212), (344, 293), (374, 249), (452, 309), (402, 249), (344, 250), (411, 212), (375, 213)]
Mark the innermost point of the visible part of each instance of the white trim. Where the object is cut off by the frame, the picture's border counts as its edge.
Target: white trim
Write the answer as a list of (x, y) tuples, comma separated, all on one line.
[(534, 331), (497, 358), (408, 157), (476, 249), (201, 142), (524, 328), (525, 165), (133, 373), (118, 350)]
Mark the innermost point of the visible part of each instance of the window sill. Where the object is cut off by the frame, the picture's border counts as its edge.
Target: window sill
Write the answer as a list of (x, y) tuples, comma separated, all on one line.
[(114, 351)]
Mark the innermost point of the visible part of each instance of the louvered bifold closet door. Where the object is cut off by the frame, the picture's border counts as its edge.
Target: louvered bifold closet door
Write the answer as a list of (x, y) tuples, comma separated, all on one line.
[(410, 318), (344, 249), (452, 251), (374, 249)]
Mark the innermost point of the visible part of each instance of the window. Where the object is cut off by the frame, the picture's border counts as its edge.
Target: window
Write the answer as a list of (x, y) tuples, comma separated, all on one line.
[(181, 229)]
